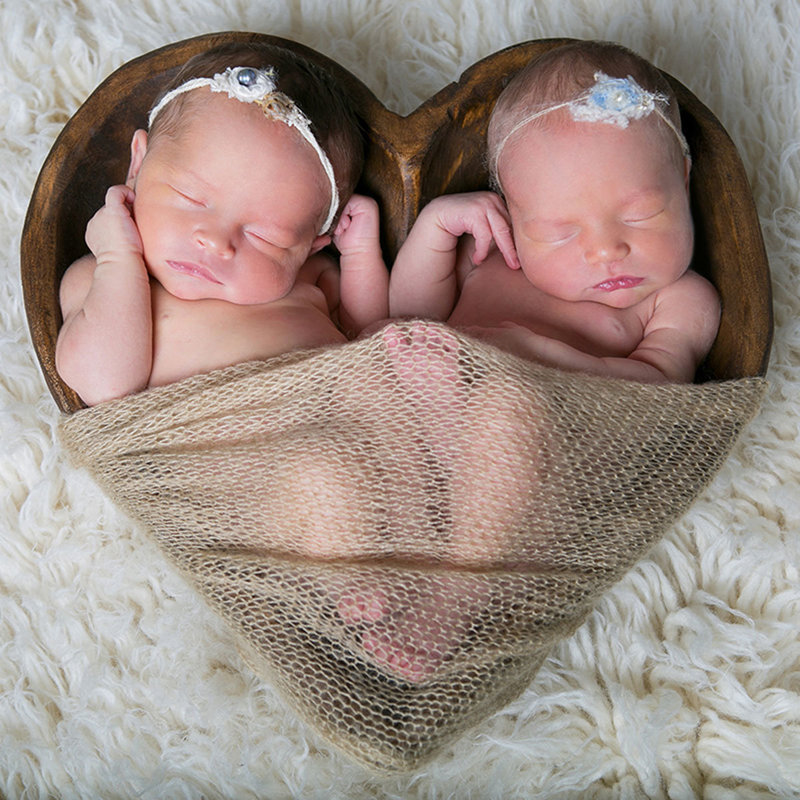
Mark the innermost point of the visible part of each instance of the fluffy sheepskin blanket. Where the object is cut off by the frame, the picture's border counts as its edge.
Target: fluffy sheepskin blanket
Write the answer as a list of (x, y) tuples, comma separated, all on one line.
[(117, 680)]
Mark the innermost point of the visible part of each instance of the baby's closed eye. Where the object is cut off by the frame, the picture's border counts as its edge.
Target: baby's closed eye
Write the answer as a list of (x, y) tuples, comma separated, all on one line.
[(264, 240), (550, 233), (643, 215)]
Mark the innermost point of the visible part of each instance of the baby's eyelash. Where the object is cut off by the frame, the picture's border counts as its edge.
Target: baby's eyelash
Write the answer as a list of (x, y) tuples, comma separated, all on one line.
[(263, 239), (189, 198), (255, 235), (644, 217), (554, 238)]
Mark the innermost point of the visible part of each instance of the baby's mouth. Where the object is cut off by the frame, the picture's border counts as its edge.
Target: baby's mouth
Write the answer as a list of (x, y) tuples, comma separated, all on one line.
[(621, 282), (194, 270)]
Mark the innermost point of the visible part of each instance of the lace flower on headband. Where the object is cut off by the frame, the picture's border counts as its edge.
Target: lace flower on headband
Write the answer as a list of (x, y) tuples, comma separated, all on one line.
[(249, 85), (612, 100)]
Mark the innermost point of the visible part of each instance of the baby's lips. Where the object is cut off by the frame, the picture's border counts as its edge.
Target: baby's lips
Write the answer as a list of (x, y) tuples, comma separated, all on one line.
[(195, 270), (620, 282)]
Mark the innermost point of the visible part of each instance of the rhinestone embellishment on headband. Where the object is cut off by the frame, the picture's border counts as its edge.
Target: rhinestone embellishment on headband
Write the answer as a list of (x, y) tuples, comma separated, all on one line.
[(246, 76)]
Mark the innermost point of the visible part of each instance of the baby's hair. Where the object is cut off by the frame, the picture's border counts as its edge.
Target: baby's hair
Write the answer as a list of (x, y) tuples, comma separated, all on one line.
[(312, 88), (563, 73)]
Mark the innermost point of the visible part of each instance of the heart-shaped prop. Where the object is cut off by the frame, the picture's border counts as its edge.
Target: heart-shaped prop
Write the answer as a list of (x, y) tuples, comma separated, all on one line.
[(399, 528)]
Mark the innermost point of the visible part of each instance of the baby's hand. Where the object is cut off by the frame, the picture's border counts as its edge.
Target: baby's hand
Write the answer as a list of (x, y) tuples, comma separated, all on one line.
[(357, 230), (112, 232), (484, 216)]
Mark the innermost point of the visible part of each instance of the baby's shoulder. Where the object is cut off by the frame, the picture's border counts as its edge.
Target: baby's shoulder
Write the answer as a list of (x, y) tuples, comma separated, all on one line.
[(320, 274), (316, 265), (76, 281), (691, 306), (694, 281), (690, 293)]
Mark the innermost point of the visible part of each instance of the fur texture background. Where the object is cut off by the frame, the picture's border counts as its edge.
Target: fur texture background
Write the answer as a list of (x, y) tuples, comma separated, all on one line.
[(116, 681)]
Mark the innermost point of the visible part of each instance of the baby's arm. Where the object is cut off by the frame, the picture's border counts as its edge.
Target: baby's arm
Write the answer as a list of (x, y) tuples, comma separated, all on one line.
[(105, 344), (424, 282), (677, 337), (682, 328), (364, 279)]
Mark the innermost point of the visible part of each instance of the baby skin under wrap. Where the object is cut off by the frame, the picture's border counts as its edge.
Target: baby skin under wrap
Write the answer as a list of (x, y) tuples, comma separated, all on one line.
[(399, 529)]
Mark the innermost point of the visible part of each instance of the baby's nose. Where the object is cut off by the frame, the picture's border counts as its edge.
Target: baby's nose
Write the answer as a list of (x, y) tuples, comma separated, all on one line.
[(215, 240), (606, 245)]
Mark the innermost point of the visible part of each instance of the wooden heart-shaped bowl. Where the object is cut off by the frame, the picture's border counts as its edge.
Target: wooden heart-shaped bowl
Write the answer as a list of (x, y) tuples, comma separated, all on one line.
[(437, 149)]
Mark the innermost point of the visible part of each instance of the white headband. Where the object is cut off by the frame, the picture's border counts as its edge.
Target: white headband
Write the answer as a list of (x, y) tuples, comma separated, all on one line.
[(249, 85), (613, 100)]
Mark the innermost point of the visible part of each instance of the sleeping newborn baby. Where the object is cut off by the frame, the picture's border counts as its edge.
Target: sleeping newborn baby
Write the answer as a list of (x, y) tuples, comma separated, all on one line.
[(581, 263), (209, 256)]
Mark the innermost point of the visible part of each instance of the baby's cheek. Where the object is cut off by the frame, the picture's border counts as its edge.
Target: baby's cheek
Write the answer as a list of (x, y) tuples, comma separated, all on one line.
[(273, 283), (155, 233), (681, 242), (550, 262)]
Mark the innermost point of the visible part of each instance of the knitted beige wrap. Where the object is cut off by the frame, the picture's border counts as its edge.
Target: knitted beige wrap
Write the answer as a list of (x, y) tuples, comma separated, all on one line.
[(399, 529)]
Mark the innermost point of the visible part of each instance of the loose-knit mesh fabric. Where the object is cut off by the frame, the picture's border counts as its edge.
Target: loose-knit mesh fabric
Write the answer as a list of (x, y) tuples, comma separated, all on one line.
[(399, 528)]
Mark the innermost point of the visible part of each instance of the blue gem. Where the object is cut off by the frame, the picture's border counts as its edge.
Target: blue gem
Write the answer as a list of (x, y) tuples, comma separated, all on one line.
[(615, 94), (246, 77)]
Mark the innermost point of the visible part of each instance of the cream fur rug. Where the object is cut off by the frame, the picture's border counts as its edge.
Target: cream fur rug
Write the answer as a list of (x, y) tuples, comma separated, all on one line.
[(116, 681)]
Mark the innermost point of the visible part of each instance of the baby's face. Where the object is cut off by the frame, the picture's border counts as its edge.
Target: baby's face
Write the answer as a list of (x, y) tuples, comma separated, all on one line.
[(599, 213), (230, 207)]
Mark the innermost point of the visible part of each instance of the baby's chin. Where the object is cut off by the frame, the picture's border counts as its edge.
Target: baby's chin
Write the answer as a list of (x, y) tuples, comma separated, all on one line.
[(252, 299), (224, 294), (621, 298)]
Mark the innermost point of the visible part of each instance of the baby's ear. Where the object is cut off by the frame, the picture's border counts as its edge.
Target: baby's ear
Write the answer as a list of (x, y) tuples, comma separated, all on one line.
[(319, 243), (138, 149)]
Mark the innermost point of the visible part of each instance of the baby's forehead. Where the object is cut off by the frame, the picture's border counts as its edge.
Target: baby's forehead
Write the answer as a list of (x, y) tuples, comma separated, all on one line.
[(647, 135), (202, 111), (200, 106)]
